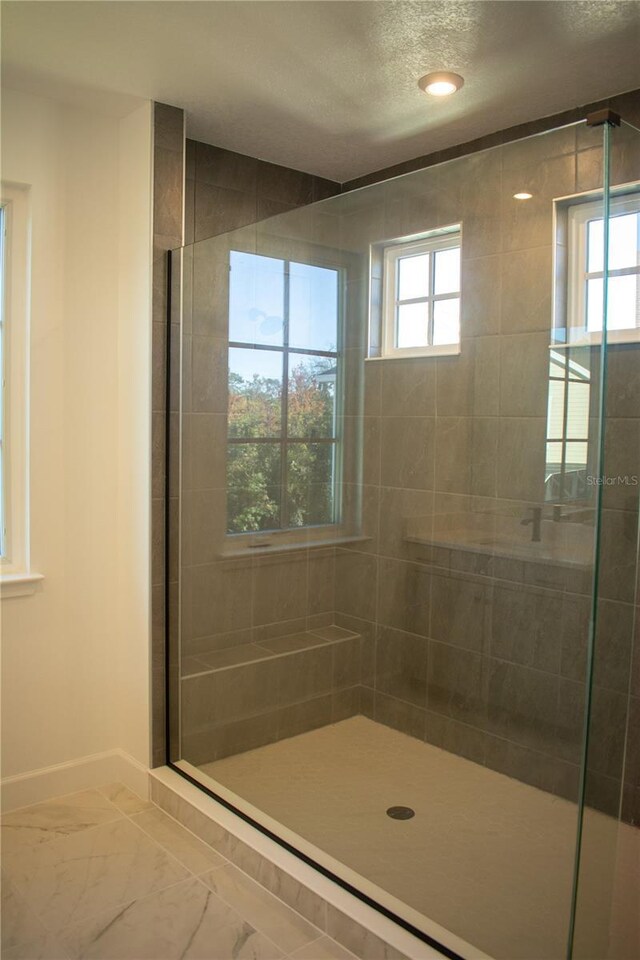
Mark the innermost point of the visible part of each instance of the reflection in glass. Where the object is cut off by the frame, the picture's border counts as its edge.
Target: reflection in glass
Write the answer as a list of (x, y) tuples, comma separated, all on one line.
[(255, 392), (310, 488), (313, 307), (567, 448), (578, 410), (253, 486), (256, 299), (312, 396)]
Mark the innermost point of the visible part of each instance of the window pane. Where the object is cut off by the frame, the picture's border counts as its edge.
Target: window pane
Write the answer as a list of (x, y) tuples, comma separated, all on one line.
[(623, 303), (413, 277), (255, 392), (253, 487), (446, 321), (313, 307), (555, 412), (594, 305), (256, 299), (623, 309), (578, 411), (623, 241), (554, 458), (413, 325), (310, 484), (447, 278), (576, 456), (312, 396), (595, 245)]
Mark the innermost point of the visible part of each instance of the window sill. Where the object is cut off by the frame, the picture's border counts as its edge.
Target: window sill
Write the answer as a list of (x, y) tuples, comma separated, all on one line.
[(447, 350), (595, 339), (232, 553), (18, 584)]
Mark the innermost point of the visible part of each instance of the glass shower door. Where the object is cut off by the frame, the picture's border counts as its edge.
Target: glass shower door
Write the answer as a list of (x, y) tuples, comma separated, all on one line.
[(383, 565), (607, 903)]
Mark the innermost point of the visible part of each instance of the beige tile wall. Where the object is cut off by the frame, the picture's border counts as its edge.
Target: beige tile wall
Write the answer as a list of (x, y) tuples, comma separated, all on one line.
[(479, 655)]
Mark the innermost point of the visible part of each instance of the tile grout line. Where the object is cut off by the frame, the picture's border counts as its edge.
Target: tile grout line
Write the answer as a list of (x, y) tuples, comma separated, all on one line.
[(258, 929), (172, 855), (280, 902), (58, 799), (122, 817)]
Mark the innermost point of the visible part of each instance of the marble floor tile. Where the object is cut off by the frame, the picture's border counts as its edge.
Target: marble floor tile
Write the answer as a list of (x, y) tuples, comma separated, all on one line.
[(22, 933), (45, 822), (124, 799), (261, 909), (193, 853), (183, 921), (68, 879), (323, 949), (46, 948)]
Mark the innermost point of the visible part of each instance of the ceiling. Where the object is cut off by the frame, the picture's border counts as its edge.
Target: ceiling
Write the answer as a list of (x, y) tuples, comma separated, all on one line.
[(326, 87)]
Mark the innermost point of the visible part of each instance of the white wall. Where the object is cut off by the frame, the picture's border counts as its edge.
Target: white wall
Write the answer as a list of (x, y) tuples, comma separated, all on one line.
[(75, 655)]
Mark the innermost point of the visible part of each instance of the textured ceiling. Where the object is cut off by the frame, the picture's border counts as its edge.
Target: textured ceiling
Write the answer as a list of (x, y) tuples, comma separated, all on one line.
[(327, 87)]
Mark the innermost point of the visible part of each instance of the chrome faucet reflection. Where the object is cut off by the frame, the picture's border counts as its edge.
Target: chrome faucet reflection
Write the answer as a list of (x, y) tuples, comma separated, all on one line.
[(536, 520)]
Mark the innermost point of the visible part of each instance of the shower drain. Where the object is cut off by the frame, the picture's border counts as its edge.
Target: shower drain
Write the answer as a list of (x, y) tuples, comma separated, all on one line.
[(400, 813)]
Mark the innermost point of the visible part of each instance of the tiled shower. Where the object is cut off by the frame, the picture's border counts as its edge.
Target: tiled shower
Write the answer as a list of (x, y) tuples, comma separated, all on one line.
[(454, 590)]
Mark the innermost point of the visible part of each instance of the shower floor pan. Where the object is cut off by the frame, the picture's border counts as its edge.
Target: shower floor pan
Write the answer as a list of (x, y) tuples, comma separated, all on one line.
[(485, 856)]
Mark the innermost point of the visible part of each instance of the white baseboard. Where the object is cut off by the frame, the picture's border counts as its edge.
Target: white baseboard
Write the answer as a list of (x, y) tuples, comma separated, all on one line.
[(97, 770)]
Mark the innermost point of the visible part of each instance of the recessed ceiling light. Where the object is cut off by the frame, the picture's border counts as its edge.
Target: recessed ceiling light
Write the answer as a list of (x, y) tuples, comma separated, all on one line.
[(522, 196), (440, 84)]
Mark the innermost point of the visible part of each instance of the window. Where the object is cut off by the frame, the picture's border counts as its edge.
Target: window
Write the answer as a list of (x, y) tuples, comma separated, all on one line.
[(422, 295), (586, 271), (567, 426), (284, 394), (15, 575)]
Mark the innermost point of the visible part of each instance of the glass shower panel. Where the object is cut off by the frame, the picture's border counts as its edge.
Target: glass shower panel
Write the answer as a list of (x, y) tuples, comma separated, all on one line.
[(386, 564), (607, 925)]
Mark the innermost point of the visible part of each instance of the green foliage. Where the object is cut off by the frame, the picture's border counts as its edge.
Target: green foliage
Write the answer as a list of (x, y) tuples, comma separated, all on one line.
[(255, 499)]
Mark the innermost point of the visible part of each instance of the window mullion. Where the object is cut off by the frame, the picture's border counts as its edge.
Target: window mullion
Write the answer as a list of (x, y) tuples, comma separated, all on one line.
[(284, 413), (401, 303), (432, 267)]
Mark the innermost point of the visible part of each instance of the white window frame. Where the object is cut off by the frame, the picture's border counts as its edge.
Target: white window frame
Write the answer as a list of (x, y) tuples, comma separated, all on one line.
[(287, 538), (16, 576), (579, 215), (445, 238)]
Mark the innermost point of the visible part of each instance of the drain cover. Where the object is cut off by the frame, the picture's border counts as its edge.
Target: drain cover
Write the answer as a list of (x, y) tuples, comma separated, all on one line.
[(400, 813)]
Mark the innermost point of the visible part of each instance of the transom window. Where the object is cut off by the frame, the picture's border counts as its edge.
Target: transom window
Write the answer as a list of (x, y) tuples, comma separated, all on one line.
[(422, 295), (586, 270), (284, 376)]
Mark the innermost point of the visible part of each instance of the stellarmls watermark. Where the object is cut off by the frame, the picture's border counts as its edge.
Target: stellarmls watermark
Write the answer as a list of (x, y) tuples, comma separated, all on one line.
[(622, 480)]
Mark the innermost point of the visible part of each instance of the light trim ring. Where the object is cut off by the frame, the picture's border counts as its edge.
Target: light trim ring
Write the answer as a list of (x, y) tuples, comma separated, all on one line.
[(442, 83)]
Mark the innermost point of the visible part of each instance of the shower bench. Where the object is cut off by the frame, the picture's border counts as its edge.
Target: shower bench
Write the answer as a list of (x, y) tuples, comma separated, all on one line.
[(252, 694)]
